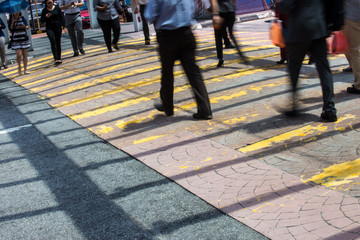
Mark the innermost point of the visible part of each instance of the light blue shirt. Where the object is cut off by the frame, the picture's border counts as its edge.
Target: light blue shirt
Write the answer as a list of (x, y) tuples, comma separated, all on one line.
[(170, 14)]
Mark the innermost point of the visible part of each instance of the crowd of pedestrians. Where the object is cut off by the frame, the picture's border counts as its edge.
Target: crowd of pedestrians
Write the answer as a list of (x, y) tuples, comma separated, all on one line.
[(305, 29)]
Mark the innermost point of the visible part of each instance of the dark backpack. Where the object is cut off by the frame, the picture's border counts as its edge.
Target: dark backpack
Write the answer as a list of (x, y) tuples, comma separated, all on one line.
[(334, 13)]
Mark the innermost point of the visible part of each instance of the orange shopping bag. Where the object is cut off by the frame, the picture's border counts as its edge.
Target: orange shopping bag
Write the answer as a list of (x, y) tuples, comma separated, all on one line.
[(276, 34), (337, 43)]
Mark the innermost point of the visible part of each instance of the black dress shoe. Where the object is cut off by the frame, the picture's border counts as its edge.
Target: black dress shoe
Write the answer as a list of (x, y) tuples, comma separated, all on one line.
[(220, 63), (76, 54), (115, 45), (352, 89), (82, 51), (110, 51), (229, 46), (147, 42), (329, 116), (347, 70), (282, 61), (311, 61), (199, 116), (161, 108)]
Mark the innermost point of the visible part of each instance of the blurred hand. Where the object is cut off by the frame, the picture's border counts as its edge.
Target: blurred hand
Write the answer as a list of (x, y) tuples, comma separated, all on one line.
[(48, 15), (217, 22), (136, 10)]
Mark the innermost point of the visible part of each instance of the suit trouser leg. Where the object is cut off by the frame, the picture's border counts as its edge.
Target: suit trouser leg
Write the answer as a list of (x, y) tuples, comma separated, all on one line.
[(167, 51), (80, 32), (144, 23), (352, 32), (296, 53), (219, 42), (58, 33), (71, 31), (51, 35), (319, 54), (106, 29), (229, 20), (187, 58), (115, 25)]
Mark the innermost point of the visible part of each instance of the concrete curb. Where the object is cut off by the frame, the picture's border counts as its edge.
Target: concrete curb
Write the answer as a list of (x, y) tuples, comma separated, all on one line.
[(239, 19)]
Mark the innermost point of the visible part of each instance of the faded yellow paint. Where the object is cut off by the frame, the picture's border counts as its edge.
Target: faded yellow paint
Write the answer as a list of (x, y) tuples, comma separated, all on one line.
[(304, 131), (207, 159), (104, 129), (337, 175), (148, 139), (235, 120)]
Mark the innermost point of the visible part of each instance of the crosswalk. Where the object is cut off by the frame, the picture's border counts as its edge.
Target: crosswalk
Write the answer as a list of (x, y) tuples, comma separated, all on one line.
[(112, 95)]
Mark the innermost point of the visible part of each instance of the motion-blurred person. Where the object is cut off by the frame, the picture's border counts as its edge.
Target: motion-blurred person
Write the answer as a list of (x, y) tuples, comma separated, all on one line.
[(19, 39), (283, 19), (2, 44), (54, 19), (173, 20), (108, 17), (223, 12), (145, 25), (352, 32), (307, 31), (73, 22)]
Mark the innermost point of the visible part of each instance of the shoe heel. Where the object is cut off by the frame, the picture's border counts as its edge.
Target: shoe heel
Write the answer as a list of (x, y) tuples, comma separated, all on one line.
[(220, 63)]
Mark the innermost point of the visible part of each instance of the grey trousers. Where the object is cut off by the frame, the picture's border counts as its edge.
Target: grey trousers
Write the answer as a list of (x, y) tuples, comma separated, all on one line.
[(73, 23), (2, 50)]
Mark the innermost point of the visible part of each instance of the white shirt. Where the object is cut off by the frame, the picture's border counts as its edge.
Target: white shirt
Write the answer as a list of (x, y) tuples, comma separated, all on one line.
[(142, 2), (71, 9)]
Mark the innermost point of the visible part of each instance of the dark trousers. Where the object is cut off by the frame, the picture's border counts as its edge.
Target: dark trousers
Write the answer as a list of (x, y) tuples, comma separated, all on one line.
[(296, 53), (54, 35), (228, 22), (106, 26), (225, 37), (180, 44), (73, 23), (144, 23)]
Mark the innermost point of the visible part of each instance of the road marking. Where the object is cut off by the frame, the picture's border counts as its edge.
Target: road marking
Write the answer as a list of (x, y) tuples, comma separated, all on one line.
[(337, 175), (300, 132), (14, 129)]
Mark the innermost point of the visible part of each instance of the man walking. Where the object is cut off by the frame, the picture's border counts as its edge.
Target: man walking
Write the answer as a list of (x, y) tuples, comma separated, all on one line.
[(73, 22), (172, 20), (145, 25), (307, 31)]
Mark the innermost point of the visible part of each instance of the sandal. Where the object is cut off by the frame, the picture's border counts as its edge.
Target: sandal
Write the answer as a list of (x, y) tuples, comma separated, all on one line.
[(26, 72)]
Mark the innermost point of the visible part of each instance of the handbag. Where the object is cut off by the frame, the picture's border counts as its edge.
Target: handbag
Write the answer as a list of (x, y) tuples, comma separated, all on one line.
[(276, 34), (10, 41), (337, 43)]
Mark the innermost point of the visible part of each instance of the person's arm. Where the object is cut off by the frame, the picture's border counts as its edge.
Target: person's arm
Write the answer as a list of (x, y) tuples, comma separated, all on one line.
[(26, 24), (80, 3), (136, 10), (215, 14), (152, 11), (2, 25), (118, 7), (61, 17)]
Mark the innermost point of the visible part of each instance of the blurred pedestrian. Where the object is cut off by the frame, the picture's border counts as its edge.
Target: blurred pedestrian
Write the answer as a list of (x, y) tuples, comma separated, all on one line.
[(307, 31), (173, 20), (73, 23), (2, 44), (19, 39), (352, 32), (54, 19), (224, 13), (145, 25), (108, 17), (283, 21)]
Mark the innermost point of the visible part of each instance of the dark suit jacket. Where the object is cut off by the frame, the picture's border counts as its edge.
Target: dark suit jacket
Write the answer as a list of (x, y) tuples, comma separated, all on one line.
[(306, 20)]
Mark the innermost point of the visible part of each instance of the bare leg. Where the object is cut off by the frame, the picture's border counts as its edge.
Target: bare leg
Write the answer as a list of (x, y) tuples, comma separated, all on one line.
[(18, 59), (25, 59)]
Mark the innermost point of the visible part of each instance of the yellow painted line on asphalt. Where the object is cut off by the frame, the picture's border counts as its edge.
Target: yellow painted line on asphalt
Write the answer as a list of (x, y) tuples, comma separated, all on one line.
[(338, 175), (137, 100), (148, 139), (305, 131)]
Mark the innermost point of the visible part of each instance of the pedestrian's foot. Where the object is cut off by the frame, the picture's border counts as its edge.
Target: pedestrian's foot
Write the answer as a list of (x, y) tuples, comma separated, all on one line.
[(5, 67), (199, 116), (229, 46), (328, 116), (311, 61), (58, 62), (290, 111), (220, 63), (147, 42), (282, 61), (26, 72), (82, 51), (76, 54), (161, 108), (110, 51), (115, 45), (347, 70), (352, 89)]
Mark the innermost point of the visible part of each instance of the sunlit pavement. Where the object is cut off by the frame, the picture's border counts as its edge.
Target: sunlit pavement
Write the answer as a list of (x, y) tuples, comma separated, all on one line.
[(287, 178)]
